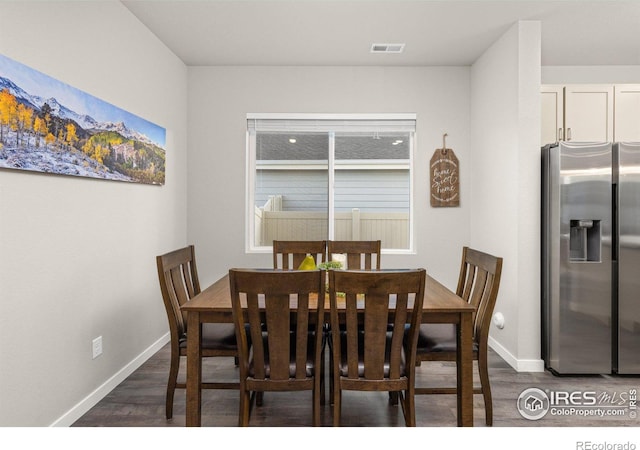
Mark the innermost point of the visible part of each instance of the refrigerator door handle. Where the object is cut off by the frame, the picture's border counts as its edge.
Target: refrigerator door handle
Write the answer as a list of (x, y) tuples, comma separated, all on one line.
[(614, 222)]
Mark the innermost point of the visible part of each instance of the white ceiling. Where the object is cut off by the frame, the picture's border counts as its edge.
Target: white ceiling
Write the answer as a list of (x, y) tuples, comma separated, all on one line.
[(340, 32)]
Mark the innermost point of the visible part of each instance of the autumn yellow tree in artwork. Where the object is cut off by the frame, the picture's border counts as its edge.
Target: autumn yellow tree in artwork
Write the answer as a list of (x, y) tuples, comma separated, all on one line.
[(40, 129), (70, 136), (8, 111), (23, 123)]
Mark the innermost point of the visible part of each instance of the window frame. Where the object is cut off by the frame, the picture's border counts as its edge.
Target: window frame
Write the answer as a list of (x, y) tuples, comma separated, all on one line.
[(331, 166)]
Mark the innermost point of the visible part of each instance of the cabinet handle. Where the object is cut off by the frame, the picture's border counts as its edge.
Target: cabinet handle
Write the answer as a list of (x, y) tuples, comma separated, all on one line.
[(568, 134), (559, 136)]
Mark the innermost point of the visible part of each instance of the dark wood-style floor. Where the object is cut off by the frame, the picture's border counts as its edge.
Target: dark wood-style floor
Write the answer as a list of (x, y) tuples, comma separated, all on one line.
[(139, 400)]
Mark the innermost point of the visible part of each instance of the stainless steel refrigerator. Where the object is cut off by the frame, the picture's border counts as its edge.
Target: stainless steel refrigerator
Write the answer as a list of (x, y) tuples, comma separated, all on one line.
[(591, 258)]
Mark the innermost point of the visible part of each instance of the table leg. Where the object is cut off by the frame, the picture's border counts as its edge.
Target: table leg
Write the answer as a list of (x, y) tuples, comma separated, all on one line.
[(194, 370), (465, 371)]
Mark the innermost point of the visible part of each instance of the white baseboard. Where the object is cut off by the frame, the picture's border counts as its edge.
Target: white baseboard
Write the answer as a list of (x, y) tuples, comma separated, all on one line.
[(68, 418), (520, 365)]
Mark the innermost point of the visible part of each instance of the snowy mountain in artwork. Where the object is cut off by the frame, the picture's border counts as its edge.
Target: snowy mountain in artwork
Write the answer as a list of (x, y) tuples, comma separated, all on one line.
[(41, 134), (83, 120)]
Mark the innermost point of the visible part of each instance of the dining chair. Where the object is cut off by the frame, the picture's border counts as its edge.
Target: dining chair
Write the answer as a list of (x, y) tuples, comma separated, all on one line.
[(478, 284), (373, 358), (179, 283), (360, 255), (279, 312), (288, 255)]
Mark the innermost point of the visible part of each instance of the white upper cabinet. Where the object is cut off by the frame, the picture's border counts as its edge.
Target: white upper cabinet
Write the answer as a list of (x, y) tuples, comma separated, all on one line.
[(588, 113), (627, 113), (552, 114)]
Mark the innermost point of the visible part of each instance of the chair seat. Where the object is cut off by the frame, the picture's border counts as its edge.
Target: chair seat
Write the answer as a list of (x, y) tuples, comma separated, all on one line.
[(438, 337), (215, 336), (343, 357)]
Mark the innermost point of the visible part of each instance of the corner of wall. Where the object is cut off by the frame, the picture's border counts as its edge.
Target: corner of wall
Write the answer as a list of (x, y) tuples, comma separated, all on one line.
[(505, 127)]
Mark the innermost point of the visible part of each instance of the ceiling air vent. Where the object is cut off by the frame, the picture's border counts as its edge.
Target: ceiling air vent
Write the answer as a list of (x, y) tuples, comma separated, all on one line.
[(387, 48)]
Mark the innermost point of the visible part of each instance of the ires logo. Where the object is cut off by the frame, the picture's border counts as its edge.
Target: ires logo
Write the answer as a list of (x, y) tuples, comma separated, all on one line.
[(534, 403), (577, 398)]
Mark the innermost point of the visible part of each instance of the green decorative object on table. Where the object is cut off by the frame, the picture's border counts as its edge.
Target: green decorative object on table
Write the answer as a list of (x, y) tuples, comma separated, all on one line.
[(331, 265)]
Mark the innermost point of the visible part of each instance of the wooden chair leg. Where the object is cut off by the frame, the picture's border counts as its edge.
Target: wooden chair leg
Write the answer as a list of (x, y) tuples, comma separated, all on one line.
[(245, 407), (316, 407), (409, 408), (486, 390), (321, 375), (171, 384), (331, 382), (337, 400)]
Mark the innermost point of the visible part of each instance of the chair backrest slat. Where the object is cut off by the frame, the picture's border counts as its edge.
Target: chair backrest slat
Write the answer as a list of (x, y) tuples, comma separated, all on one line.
[(188, 280), (254, 317), (353, 344), (276, 308), (376, 320), (303, 326), (402, 301), (479, 287)]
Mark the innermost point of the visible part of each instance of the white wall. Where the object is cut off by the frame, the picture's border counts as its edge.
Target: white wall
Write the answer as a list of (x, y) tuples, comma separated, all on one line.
[(505, 201), (220, 98), (76, 254)]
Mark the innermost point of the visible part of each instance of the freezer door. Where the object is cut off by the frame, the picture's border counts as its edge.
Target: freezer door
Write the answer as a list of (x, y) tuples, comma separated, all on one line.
[(579, 278), (629, 258)]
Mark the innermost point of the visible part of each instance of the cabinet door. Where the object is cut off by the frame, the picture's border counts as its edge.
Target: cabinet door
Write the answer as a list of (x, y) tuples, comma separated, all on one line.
[(627, 113), (551, 114), (588, 113)]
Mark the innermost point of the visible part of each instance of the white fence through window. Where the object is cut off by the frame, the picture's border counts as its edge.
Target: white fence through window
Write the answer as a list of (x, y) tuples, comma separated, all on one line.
[(271, 223)]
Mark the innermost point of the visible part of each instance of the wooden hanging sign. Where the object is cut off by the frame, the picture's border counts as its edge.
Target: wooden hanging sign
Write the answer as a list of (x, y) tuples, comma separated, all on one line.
[(444, 177)]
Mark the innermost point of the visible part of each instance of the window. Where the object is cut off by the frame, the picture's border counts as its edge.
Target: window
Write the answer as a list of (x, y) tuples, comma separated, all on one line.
[(339, 177)]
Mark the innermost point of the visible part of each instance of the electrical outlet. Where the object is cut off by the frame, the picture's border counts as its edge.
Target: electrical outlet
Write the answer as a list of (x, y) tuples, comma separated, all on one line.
[(97, 347)]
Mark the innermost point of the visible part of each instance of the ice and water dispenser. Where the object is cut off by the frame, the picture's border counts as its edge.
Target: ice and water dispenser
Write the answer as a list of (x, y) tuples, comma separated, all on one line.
[(585, 241)]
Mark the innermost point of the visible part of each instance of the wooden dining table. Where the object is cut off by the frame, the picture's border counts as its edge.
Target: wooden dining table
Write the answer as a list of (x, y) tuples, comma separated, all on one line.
[(441, 305)]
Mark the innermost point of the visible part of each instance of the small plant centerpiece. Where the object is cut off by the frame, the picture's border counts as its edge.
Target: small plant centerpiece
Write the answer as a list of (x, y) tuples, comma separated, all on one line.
[(331, 265)]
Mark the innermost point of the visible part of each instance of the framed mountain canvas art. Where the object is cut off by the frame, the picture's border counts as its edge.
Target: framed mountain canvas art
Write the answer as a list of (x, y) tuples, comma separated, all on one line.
[(51, 127)]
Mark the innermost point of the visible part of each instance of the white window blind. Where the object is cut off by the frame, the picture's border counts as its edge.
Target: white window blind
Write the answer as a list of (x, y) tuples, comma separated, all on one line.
[(348, 123)]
